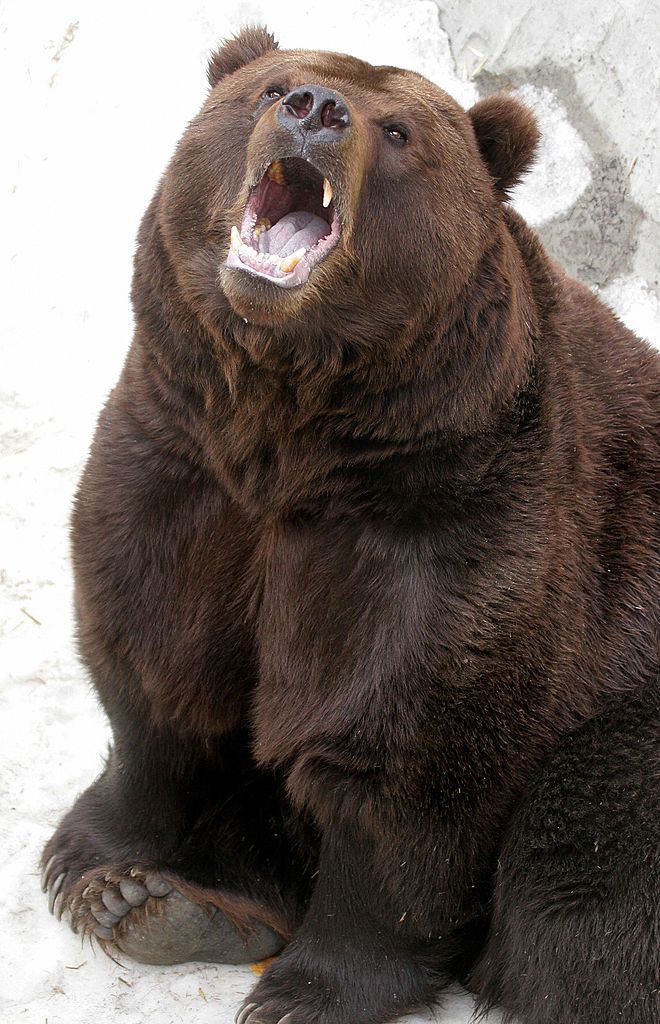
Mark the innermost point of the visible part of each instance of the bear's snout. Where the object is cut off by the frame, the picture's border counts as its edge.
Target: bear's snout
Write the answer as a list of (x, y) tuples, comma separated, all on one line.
[(315, 109)]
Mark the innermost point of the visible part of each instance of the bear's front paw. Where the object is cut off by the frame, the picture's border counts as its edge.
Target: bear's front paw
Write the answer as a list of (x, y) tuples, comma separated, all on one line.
[(293, 1000), (337, 988)]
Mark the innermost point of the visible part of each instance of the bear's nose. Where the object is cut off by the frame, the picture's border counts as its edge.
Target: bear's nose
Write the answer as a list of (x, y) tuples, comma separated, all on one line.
[(313, 108)]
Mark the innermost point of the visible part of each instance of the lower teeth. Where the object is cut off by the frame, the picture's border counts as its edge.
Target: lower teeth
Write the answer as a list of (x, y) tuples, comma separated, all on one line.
[(284, 263)]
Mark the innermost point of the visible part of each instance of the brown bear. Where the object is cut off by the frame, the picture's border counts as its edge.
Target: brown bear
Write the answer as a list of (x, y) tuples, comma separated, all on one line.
[(367, 558)]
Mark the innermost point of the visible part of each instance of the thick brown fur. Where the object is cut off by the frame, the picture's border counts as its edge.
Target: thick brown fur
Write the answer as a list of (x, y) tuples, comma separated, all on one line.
[(240, 50), (359, 564)]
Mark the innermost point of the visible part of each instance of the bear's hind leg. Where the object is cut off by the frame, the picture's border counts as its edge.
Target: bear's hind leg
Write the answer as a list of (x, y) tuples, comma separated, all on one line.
[(575, 936), (161, 918), (181, 829), (169, 863)]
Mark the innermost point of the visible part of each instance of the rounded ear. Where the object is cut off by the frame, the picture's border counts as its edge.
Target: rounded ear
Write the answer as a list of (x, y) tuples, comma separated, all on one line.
[(250, 43), (507, 136)]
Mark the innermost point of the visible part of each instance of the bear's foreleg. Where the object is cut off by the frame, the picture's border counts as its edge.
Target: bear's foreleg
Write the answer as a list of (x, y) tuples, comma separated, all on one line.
[(392, 762)]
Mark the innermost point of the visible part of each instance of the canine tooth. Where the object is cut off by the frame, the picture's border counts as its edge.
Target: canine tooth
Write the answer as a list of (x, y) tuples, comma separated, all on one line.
[(236, 240), (290, 263), (276, 172), (327, 192)]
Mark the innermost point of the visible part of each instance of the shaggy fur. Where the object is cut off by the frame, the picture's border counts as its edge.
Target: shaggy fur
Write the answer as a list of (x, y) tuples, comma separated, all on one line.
[(367, 575)]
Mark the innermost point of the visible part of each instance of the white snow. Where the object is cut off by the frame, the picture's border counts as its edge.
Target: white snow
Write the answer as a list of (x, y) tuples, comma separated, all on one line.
[(95, 96), (556, 183), (634, 303)]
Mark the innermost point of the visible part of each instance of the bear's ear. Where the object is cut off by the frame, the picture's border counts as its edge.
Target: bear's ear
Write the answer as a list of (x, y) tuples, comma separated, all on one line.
[(507, 136), (250, 43)]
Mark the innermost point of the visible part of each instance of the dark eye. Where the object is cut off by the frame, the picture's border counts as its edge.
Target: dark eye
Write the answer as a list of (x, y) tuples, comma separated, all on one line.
[(273, 92), (396, 133)]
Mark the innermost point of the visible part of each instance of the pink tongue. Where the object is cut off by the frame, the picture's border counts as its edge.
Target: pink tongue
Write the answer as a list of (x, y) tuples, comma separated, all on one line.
[(297, 230)]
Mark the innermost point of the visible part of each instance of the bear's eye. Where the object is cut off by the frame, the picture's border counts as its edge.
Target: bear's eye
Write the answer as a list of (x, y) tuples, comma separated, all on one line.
[(396, 133), (273, 92)]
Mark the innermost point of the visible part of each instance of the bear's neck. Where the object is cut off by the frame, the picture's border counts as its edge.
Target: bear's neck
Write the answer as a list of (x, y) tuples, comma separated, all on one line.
[(430, 410)]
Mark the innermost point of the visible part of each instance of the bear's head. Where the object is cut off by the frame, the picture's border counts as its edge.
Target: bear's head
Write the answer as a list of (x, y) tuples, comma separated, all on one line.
[(313, 187)]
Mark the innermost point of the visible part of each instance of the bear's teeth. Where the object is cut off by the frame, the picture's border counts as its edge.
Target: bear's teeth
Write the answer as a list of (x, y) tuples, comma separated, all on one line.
[(327, 193), (262, 225), (291, 262), (276, 172), (236, 240)]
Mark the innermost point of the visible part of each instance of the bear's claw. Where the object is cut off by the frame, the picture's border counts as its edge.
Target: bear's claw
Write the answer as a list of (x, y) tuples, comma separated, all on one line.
[(54, 892), (244, 1012), (261, 1013)]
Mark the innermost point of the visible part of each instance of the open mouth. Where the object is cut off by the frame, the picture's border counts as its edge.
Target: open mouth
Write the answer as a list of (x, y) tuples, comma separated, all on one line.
[(290, 224)]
